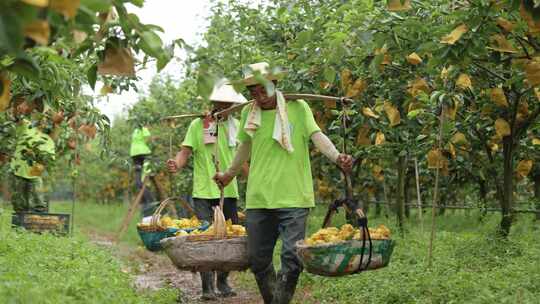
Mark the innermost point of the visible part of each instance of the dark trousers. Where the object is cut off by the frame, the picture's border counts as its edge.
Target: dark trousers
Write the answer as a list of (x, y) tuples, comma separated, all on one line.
[(148, 198), (264, 226), (203, 209)]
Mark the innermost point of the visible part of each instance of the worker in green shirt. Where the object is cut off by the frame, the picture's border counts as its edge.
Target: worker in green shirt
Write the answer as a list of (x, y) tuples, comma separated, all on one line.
[(34, 150), (139, 151), (200, 142), (274, 135)]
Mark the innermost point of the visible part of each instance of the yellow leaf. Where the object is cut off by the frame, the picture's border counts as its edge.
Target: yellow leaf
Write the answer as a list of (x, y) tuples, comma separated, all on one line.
[(502, 127), (434, 159), (524, 168), (5, 93), (379, 138), (369, 113), (536, 141), (357, 88), (414, 59), (39, 3), (450, 112), (444, 74), (455, 34), (362, 137), (68, 8), (498, 97), (452, 150), (532, 72), (537, 93), (523, 109), (506, 25), (321, 120), (464, 82), (387, 59), (415, 105), (330, 104), (79, 36), (325, 85), (346, 79), (38, 31), (534, 25), (500, 44), (378, 173), (392, 113), (417, 86), (459, 139), (397, 6), (117, 62), (106, 89)]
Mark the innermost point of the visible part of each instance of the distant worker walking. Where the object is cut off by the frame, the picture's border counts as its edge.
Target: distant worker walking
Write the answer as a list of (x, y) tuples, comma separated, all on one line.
[(139, 152)]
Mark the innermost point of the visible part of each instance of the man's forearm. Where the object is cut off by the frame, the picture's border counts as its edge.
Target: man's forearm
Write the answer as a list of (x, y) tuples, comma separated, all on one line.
[(182, 157), (323, 143), (242, 156)]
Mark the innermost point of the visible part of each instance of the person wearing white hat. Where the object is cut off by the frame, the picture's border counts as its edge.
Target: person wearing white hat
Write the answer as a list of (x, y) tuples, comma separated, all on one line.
[(199, 142), (274, 135)]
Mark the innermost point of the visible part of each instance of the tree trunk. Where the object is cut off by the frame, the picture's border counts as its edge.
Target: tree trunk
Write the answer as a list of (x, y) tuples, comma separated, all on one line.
[(378, 204), (537, 194), (508, 186), (400, 197), (408, 178), (482, 189), (442, 202)]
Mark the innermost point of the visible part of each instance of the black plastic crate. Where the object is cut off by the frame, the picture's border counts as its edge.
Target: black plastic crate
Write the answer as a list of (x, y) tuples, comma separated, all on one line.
[(56, 223)]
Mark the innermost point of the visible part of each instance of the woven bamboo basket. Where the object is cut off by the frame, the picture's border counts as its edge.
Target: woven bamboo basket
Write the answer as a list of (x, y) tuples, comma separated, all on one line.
[(340, 259), (152, 234), (216, 252)]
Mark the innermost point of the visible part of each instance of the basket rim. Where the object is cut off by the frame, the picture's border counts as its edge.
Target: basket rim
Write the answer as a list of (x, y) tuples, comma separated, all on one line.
[(303, 245)]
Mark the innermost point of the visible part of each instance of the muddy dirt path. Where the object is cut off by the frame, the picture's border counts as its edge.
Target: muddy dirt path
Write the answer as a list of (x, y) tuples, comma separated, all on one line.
[(154, 271)]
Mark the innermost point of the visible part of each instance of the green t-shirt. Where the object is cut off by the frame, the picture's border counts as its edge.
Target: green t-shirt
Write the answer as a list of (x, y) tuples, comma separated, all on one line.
[(203, 166), (138, 142), (27, 134), (277, 178)]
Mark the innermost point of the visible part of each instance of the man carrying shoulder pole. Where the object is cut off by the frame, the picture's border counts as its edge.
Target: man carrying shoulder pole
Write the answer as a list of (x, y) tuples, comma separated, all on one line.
[(274, 135)]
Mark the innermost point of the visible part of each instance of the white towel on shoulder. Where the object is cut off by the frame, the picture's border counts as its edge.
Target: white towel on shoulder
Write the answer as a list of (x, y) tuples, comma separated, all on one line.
[(282, 131)]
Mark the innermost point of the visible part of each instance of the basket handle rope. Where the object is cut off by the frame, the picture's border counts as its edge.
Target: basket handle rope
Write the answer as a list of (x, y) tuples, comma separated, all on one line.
[(220, 225), (154, 221)]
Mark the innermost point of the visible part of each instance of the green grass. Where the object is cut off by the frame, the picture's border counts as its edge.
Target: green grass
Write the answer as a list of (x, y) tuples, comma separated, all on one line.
[(101, 218), (48, 269), (470, 264)]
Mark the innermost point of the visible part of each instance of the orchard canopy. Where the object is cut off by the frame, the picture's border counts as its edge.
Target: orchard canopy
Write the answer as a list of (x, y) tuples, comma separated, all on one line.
[(452, 86)]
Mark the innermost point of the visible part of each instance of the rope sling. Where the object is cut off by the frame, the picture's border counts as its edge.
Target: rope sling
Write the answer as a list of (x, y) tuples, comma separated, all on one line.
[(351, 205)]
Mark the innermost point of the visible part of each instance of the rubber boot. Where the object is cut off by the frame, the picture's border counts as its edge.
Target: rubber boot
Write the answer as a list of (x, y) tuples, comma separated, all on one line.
[(207, 280), (286, 285), (223, 286), (266, 280)]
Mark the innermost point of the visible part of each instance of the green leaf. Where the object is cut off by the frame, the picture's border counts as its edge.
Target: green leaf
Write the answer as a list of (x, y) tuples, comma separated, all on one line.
[(26, 66), (91, 74), (138, 3), (421, 137), (303, 37), (329, 75), (101, 6), (151, 44)]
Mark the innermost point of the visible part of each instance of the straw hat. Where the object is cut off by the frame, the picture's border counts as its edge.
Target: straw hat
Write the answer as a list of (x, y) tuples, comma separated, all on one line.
[(226, 93), (262, 69)]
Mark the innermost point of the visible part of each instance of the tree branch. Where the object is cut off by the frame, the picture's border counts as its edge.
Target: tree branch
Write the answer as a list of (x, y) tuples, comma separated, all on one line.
[(489, 71)]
